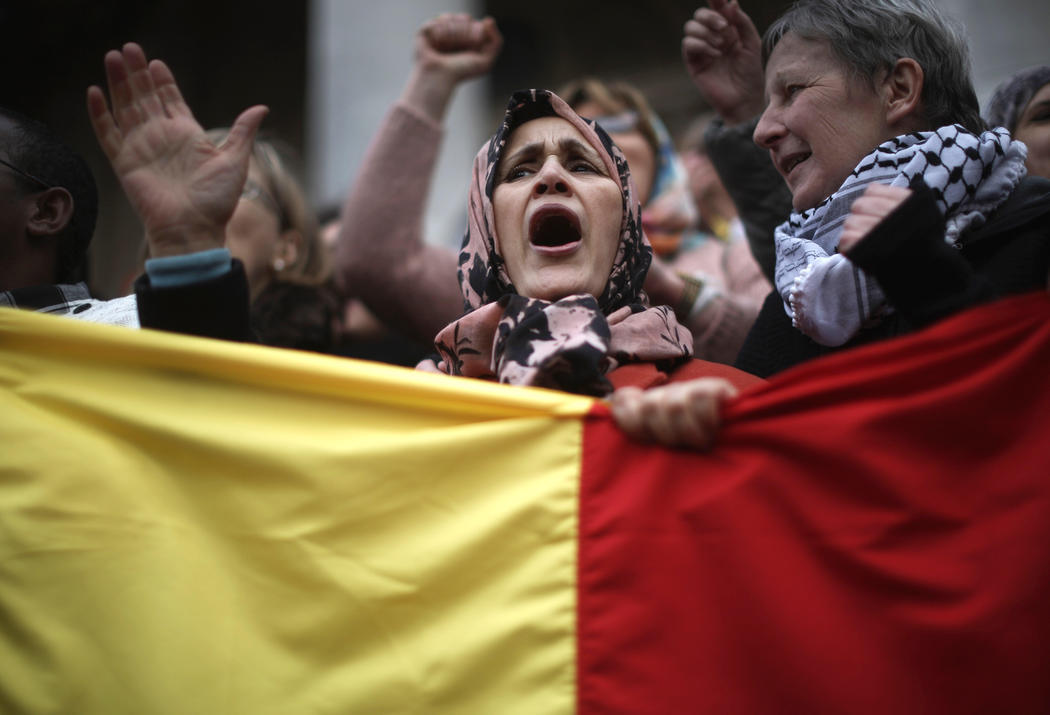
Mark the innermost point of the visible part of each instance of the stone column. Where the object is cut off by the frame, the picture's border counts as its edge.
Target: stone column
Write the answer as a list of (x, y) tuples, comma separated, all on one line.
[(360, 53)]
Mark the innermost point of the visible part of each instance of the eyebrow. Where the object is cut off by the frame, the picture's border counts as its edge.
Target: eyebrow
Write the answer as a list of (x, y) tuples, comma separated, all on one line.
[(566, 145), (777, 80), (1034, 107), (792, 73)]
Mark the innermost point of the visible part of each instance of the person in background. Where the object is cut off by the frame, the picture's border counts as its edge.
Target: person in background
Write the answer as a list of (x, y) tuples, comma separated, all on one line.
[(48, 207), (1022, 105), (380, 256), (716, 247), (275, 234), (184, 188), (663, 188)]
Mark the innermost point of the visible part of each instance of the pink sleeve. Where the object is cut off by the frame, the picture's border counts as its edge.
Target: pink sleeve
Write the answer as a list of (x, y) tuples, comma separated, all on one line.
[(381, 257), (734, 290)]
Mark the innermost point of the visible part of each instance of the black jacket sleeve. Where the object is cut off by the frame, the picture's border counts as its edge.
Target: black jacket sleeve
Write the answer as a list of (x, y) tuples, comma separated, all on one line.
[(216, 308), (761, 197), (923, 277)]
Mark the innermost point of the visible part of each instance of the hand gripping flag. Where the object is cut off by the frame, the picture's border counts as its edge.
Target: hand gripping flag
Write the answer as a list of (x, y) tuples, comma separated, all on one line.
[(190, 526)]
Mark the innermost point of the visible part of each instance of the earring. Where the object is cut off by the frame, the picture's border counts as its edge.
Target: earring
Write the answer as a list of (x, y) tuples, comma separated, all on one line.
[(278, 264)]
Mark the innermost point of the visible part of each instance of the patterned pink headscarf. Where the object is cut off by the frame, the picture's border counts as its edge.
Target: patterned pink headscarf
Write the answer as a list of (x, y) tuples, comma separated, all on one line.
[(572, 343)]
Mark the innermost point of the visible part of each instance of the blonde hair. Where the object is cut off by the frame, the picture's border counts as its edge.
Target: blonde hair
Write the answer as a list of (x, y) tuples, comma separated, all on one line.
[(614, 97), (274, 160)]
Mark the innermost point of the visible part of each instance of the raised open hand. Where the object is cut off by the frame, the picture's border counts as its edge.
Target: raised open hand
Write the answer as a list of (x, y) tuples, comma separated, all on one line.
[(723, 54), (458, 45), (183, 187)]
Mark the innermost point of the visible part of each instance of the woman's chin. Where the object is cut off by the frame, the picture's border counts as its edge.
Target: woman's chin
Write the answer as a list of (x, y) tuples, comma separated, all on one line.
[(556, 283)]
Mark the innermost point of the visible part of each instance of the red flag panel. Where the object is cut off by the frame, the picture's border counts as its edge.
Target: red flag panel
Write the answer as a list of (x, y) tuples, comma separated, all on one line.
[(871, 535)]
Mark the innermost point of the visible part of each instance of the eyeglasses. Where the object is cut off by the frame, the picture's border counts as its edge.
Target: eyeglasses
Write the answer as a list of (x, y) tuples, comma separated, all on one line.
[(253, 192), (25, 174), (619, 123)]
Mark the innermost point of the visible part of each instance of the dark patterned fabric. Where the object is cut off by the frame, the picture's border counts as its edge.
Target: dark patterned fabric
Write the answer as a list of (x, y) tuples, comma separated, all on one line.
[(571, 343), (827, 297)]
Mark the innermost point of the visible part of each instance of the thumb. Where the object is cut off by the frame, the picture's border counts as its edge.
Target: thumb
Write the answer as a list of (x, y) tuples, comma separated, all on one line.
[(491, 34), (239, 141)]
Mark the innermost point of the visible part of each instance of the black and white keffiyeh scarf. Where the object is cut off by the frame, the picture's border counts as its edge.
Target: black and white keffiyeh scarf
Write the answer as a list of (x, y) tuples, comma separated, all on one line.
[(826, 296)]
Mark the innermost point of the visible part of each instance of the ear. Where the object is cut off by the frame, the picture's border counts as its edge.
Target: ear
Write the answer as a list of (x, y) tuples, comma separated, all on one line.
[(288, 247), (903, 92), (50, 212)]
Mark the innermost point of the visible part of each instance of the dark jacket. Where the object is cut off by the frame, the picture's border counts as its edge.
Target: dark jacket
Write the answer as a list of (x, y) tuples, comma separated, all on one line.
[(214, 308), (283, 315)]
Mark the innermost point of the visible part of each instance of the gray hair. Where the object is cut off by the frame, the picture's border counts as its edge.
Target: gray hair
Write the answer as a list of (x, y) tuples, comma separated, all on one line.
[(870, 36)]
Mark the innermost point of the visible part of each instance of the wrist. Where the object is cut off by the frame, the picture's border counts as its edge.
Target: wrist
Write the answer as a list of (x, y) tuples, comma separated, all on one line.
[(429, 91), (178, 241), (692, 286)]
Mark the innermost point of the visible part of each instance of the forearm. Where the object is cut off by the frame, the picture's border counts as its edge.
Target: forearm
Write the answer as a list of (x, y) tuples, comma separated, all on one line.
[(718, 320), (381, 256), (428, 94), (719, 330)]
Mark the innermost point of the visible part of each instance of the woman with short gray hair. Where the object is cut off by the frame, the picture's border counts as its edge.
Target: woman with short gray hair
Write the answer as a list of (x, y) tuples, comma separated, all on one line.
[(869, 37), (873, 97), (905, 209)]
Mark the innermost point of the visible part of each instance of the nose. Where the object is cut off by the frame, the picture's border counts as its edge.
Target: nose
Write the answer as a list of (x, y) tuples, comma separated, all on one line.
[(552, 178), (769, 129)]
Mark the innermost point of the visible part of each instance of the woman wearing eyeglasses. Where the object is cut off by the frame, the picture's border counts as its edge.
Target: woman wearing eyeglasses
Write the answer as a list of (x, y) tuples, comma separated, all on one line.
[(273, 231), (274, 234)]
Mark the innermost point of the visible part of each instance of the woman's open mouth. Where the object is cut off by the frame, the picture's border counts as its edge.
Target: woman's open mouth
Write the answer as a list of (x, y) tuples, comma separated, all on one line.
[(554, 229), (788, 164)]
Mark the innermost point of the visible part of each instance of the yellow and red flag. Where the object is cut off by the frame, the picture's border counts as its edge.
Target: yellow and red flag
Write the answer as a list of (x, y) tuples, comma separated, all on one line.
[(191, 526)]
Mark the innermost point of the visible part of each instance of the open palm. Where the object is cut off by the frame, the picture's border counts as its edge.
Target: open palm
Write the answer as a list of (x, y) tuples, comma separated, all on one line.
[(183, 187)]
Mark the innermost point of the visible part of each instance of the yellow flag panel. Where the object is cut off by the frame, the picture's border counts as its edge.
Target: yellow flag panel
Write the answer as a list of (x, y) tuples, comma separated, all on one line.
[(191, 526)]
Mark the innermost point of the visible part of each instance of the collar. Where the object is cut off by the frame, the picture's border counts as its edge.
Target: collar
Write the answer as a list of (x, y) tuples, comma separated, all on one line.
[(45, 298)]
